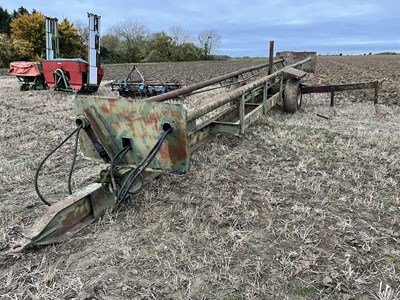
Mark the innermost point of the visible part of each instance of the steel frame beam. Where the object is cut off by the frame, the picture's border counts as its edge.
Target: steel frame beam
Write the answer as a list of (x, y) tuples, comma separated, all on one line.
[(218, 101), (342, 87), (233, 76)]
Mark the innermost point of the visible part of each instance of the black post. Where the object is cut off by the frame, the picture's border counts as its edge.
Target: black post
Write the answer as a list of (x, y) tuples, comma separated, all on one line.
[(271, 57)]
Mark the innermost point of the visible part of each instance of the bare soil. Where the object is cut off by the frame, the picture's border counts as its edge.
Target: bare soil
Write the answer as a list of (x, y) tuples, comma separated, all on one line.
[(184, 72), (299, 207)]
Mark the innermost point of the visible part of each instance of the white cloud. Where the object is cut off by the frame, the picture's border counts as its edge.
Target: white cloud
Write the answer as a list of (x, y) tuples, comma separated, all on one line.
[(247, 26)]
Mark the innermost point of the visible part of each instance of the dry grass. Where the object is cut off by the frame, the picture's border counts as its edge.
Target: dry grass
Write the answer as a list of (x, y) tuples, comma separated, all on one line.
[(299, 207)]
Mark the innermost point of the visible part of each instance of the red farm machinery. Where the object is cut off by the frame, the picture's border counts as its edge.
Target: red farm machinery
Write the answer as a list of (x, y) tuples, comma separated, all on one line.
[(62, 74), (142, 139)]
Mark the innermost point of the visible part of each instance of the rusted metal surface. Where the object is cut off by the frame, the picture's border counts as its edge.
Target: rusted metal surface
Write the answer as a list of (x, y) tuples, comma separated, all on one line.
[(247, 104), (61, 220), (223, 99), (338, 87), (271, 57), (294, 73), (141, 123), (70, 215), (191, 88), (342, 87), (218, 101), (199, 133), (292, 57), (101, 200)]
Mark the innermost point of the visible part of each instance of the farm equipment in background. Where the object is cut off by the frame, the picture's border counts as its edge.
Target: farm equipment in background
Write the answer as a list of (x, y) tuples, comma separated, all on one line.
[(70, 75), (29, 74), (60, 74), (75, 74), (144, 87)]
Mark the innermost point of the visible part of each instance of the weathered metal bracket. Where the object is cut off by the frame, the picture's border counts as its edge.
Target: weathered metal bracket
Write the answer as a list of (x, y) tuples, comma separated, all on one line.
[(342, 87), (120, 122), (61, 81), (291, 57), (294, 73), (67, 217)]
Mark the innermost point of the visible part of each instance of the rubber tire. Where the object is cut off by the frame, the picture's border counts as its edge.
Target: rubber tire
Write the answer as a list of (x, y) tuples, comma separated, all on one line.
[(292, 96)]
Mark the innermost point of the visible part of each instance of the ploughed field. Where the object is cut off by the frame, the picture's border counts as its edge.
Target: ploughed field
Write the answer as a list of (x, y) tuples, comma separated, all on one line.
[(299, 207)]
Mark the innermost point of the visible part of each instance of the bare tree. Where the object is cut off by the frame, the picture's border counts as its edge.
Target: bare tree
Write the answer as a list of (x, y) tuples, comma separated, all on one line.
[(209, 41), (130, 30), (83, 30), (179, 35), (132, 35)]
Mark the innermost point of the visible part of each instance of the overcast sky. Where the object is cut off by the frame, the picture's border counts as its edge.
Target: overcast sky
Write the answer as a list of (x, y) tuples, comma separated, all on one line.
[(246, 27)]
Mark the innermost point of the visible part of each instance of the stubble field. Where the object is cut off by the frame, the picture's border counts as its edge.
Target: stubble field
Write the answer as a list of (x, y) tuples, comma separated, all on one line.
[(299, 207)]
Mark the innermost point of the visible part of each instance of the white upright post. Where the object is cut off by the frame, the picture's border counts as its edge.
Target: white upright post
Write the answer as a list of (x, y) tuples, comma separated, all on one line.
[(52, 49), (94, 48)]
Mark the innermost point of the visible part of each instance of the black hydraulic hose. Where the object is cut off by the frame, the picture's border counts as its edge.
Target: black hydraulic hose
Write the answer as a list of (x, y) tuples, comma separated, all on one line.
[(44, 160), (129, 181), (115, 160), (113, 163), (71, 170)]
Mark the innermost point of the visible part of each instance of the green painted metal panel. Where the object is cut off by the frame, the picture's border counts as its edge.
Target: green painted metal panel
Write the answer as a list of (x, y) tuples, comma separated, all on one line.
[(62, 217), (140, 123)]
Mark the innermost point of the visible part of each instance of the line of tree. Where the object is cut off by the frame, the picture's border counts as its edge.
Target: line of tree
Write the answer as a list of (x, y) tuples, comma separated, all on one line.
[(22, 37)]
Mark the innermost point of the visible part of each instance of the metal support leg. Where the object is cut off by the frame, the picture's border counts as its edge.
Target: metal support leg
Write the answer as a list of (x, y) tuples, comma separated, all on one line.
[(265, 97), (271, 57), (242, 113), (376, 93)]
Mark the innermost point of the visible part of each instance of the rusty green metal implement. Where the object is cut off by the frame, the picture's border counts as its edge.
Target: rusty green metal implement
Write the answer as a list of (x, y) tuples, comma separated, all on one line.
[(110, 125), (115, 123), (113, 126), (64, 218)]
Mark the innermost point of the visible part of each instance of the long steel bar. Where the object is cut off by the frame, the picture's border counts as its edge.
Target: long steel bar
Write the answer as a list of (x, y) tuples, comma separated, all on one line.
[(338, 88), (193, 87), (342, 87), (218, 101)]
